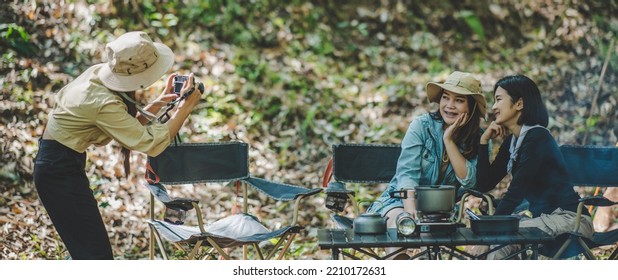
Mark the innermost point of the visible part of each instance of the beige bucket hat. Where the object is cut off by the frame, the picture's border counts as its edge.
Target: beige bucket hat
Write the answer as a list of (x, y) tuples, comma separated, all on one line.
[(134, 62), (461, 83)]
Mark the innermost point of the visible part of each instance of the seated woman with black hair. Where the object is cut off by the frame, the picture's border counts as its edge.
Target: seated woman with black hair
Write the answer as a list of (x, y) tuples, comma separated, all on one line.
[(532, 157)]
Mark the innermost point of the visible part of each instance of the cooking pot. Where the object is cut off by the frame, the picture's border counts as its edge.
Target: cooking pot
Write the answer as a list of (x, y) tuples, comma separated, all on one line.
[(433, 199), (369, 223), (430, 199)]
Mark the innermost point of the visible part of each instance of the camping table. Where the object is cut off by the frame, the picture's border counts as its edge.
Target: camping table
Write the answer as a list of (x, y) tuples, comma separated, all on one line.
[(338, 239)]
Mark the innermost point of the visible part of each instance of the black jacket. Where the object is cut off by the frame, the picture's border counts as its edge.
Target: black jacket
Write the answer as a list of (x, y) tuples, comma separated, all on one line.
[(539, 175)]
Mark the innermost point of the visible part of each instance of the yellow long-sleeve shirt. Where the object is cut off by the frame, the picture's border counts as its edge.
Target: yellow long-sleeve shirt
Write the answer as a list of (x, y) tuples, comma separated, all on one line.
[(86, 112)]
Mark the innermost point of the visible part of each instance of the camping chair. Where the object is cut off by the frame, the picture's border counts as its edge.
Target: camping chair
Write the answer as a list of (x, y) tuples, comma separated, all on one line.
[(356, 163), (214, 162), (587, 166)]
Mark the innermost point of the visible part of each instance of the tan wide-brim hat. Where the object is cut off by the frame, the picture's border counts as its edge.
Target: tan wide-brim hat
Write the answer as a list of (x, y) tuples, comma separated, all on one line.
[(461, 83), (134, 62)]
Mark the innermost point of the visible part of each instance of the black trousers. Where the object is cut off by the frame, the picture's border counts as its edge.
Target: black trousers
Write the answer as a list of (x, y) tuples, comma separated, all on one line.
[(64, 189)]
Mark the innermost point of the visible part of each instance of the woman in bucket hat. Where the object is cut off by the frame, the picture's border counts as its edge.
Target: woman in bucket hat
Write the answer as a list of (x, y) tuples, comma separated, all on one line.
[(532, 157), (95, 108), (439, 148)]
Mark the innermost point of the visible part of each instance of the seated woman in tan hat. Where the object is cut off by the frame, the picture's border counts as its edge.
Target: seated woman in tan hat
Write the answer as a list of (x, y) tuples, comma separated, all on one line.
[(92, 110), (439, 148)]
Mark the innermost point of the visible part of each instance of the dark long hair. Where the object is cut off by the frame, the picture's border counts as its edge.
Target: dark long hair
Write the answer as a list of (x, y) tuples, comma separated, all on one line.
[(520, 86), (466, 137), (126, 153)]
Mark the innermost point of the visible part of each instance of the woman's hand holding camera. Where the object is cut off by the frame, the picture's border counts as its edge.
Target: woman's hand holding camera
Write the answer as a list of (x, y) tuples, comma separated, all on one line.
[(186, 105), (168, 95), (194, 94)]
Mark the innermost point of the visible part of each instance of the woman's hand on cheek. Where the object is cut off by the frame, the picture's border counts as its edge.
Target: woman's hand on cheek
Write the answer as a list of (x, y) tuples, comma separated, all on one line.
[(449, 132), (493, 131)]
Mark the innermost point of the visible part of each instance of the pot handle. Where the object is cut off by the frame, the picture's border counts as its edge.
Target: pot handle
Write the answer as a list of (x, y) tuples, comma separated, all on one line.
[(402, 193)]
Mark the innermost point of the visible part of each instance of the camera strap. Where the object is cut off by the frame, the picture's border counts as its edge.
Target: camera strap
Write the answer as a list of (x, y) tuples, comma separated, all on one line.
[(165, 116), (140, 108)]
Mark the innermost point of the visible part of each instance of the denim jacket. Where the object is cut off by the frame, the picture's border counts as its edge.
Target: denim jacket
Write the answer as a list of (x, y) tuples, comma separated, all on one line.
[(419, 163)]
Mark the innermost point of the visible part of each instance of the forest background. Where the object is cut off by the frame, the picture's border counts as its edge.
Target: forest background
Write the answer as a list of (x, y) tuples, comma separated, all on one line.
[(291, 78)]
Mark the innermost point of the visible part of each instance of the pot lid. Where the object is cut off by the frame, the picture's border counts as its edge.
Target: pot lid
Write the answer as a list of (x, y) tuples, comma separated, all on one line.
[(435, 187)]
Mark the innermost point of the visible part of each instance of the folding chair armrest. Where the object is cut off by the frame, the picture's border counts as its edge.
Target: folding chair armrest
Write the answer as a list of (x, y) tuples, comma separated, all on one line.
[(200, 221), (598, 201), (490, 199), (478, 194), (346, 192), (337, 188), (472, 192), (279, 191), (160, 193), (282, 192)]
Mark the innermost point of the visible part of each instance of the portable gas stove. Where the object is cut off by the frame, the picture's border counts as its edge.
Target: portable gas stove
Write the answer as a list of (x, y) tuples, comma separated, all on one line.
[(433, 223)]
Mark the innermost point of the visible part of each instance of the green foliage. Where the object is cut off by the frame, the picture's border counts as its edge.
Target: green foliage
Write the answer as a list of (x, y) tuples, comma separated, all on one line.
[(179, 255), (591, 121), (17, 38), (473, 22)]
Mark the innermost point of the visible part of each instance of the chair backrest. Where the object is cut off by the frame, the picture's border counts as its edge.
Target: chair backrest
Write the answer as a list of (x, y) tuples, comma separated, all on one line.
[(189, 163), (591, 165), (365, 163)]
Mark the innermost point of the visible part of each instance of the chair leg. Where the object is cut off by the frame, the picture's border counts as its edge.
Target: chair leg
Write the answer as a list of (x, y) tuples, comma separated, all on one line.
[(152, 229), (258, 251), (614, 255), (178, 247), (587, 251), (287, 246), (209, 254), (159, 242), (218, 248), (151, 244), (196, 248), (274, 249), (563, 248)]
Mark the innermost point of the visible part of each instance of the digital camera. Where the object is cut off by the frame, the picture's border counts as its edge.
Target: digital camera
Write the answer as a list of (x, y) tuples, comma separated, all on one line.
[(179, 81)]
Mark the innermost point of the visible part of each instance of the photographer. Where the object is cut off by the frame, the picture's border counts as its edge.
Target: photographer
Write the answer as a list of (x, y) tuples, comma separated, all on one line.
[(95, 108)]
